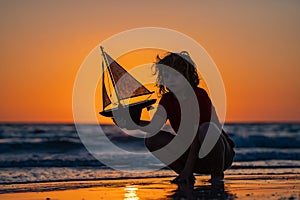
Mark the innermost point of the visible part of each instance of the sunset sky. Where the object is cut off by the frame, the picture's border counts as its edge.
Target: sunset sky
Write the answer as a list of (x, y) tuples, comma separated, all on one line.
[(254, 43)]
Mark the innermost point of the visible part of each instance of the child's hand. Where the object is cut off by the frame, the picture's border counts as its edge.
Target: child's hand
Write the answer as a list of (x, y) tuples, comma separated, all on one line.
[(123, 123), (182, 179), (120, 122)]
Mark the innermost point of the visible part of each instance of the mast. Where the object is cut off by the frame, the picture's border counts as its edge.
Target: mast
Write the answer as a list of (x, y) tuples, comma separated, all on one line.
[(105, 98), (110, 73), (103, 86)]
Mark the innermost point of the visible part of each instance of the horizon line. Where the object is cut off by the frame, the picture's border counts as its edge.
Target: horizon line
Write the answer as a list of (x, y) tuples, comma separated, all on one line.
[(92, 123)]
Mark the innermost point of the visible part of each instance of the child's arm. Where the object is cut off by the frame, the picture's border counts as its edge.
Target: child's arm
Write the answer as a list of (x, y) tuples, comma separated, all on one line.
[(151, 127), (187, 171), (205, 116)]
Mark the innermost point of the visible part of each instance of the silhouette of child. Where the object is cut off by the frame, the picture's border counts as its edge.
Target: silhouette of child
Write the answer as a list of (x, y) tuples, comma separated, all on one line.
[(221, 155)]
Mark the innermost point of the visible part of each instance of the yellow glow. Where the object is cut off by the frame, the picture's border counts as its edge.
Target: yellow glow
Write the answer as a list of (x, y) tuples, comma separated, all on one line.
[(130, 193)]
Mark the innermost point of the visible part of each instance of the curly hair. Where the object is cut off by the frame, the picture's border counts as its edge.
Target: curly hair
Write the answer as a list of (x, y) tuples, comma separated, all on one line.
[(182, 63)]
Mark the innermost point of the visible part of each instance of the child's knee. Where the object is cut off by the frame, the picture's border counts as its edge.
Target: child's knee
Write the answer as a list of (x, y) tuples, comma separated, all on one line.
[(218, 151), (149, 143), (158, 140), (209, 138), (208, 128), (203, 131), (220, 146)]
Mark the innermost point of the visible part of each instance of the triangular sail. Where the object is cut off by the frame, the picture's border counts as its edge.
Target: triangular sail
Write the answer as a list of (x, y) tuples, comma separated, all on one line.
[(129, 87), (106, 100)]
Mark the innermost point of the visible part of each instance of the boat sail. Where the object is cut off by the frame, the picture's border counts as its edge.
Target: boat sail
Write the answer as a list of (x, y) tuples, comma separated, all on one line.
[(127, 89)]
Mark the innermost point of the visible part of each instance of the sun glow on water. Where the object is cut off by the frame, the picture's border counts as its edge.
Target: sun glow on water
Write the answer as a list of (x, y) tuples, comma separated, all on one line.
[(130, 193)]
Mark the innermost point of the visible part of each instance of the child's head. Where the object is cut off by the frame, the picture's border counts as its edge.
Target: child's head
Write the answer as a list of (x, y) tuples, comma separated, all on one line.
[(182, 63)]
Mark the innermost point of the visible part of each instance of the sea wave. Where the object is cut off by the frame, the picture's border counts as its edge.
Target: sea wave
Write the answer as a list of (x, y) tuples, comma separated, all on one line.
[(58, 145), (39, 145), (287, 142)]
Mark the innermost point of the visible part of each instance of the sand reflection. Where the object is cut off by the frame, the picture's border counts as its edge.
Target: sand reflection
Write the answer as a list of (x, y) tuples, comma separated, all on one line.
[(130, 193)]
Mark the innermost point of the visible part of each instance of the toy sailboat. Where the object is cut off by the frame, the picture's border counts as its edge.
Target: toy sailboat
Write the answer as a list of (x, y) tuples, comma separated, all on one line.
[(128, 88)]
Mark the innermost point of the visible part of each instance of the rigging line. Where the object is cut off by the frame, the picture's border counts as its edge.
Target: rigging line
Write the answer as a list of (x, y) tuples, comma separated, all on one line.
[(105, 78), (109, 89), (103, 82), (149, 96)]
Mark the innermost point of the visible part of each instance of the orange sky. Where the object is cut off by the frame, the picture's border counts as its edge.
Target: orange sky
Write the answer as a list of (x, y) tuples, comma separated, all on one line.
[(255, 45)]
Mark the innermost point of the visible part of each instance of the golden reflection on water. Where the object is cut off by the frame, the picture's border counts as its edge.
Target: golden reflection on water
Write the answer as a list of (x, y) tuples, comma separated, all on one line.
[(130, 193)]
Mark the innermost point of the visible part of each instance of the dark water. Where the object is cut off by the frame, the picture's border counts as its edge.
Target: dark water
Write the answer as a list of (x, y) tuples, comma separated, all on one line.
[(51, 152)]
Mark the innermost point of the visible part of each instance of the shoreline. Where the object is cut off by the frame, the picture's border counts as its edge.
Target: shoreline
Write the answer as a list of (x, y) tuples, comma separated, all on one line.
[(271, 186)]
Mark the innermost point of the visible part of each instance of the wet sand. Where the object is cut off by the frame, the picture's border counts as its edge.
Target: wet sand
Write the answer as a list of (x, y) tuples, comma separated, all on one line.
[(285, 186)]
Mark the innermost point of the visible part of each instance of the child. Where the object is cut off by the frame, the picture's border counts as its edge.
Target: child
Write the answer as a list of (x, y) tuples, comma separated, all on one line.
[(171, 86)]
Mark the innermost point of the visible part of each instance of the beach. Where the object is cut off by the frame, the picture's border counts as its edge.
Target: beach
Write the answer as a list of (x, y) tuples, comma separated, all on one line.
[(285, 186)]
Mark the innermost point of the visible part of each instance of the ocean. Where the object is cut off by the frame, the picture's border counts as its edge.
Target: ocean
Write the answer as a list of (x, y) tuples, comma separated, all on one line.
[(34, 153)]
